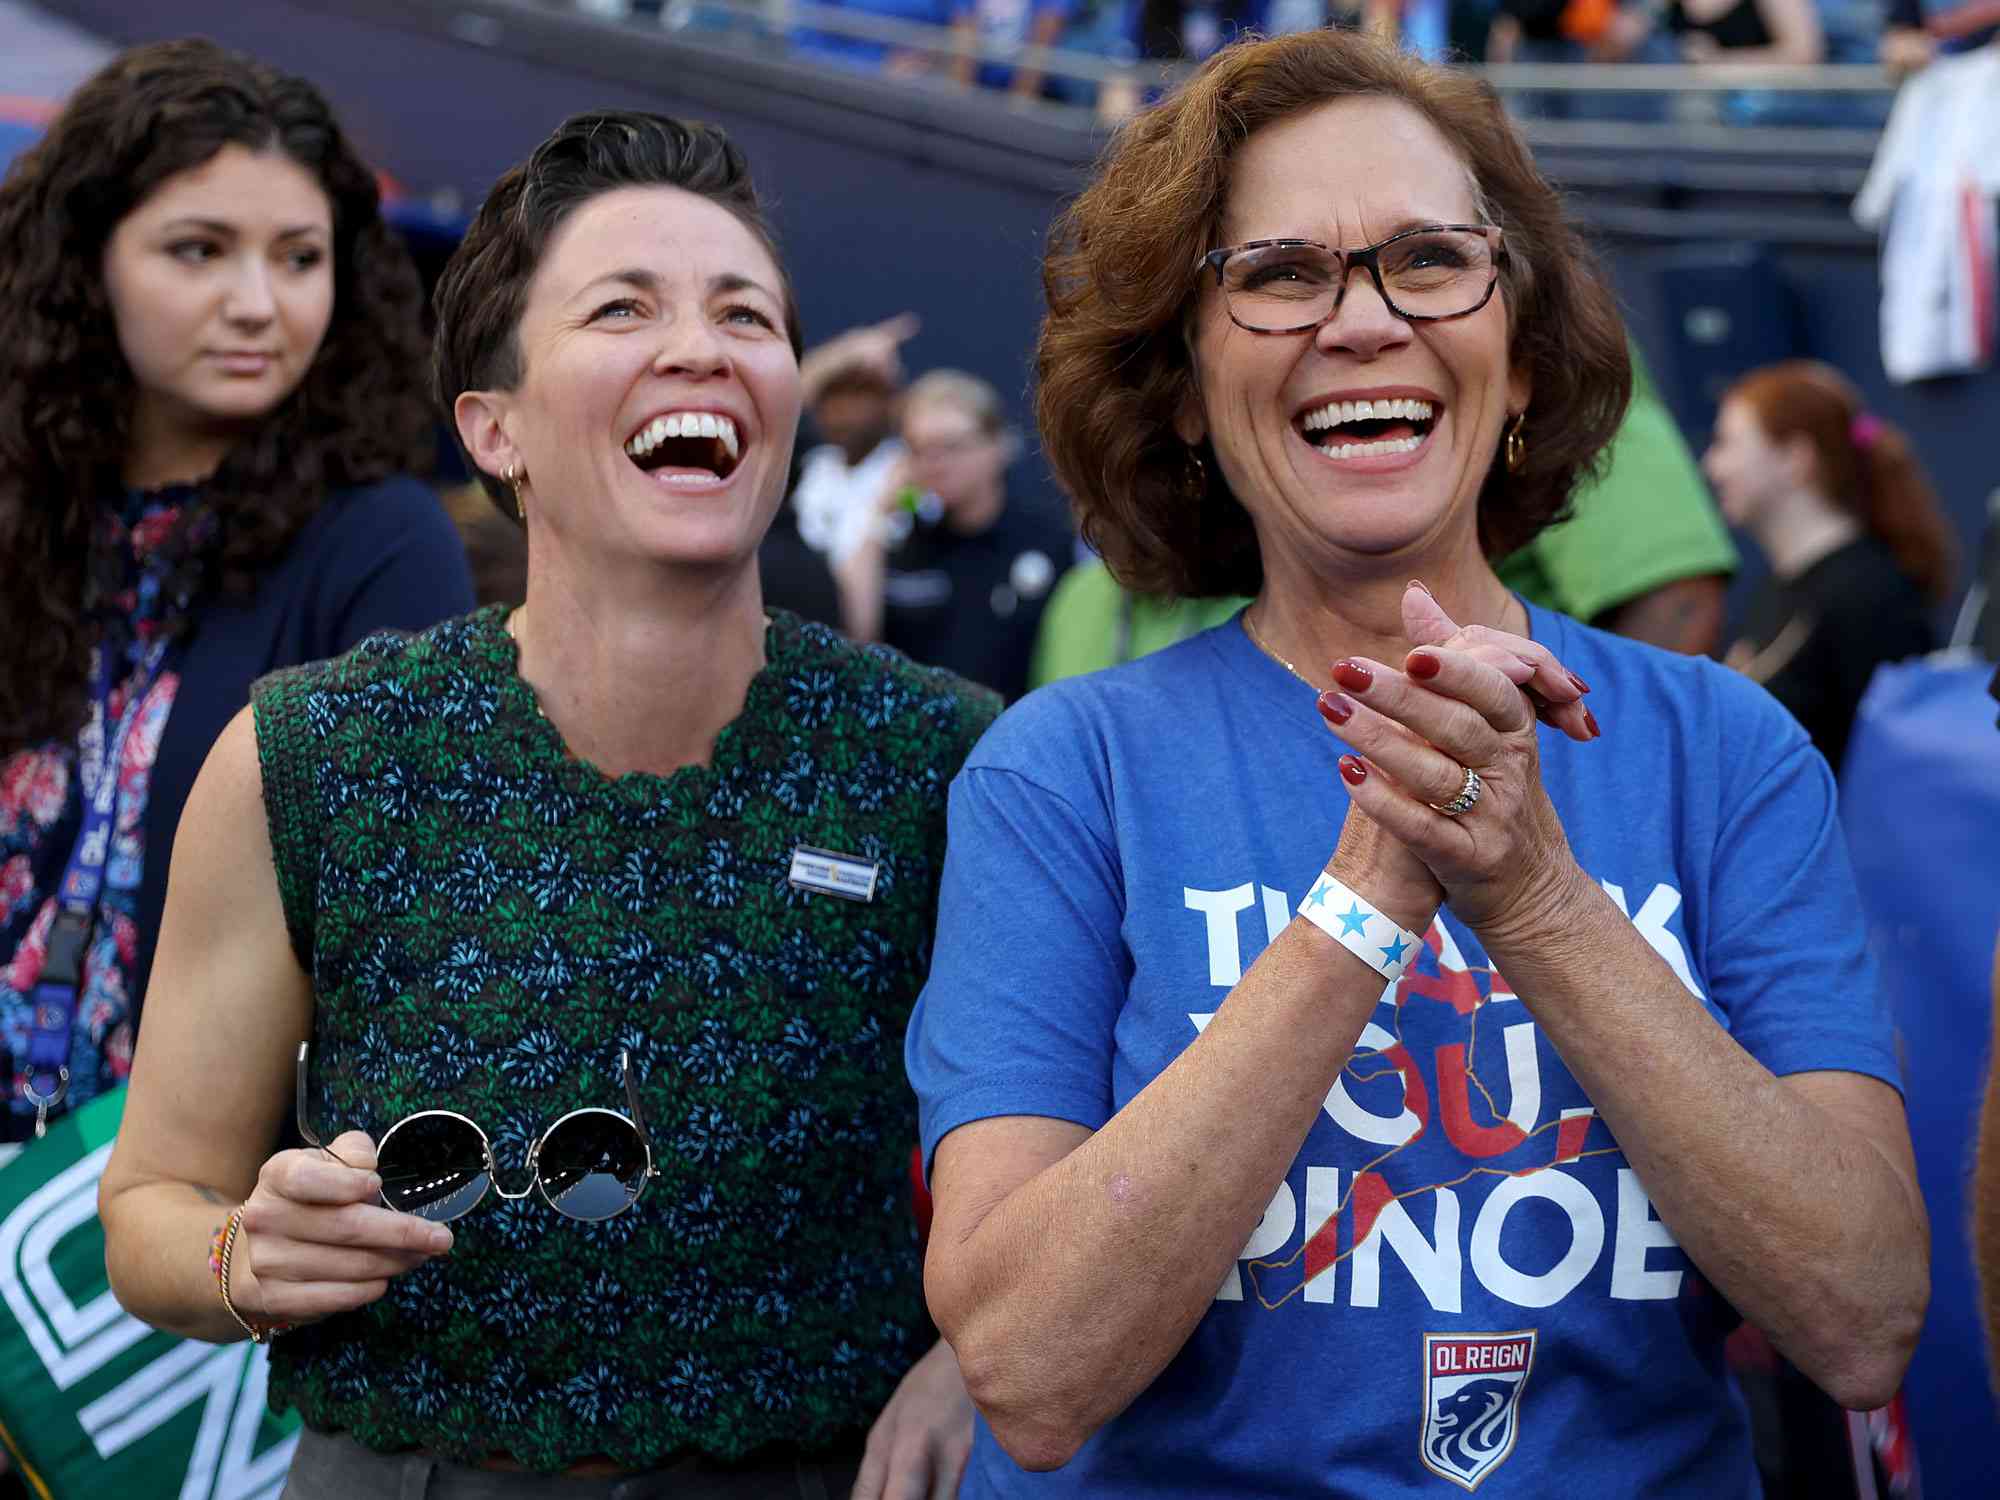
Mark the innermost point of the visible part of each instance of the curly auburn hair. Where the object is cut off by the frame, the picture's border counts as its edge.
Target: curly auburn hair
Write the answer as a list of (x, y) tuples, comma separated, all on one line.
[(1867, 466), (358, 416), (484, 290), (1113, 365)]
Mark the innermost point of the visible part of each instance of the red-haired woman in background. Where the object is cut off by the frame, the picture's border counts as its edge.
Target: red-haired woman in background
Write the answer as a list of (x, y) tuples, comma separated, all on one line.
[(1859, 549)]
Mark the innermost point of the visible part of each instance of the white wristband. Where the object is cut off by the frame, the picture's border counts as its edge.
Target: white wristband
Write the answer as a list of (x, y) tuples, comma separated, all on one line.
[(1360, 927)]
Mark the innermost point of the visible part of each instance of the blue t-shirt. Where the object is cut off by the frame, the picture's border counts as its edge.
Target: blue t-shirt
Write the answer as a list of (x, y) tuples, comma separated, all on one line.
[(1514, 1315)]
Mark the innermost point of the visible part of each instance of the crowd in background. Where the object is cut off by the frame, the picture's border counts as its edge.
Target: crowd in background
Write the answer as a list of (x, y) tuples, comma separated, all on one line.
[(914, 515), (1144, 35)]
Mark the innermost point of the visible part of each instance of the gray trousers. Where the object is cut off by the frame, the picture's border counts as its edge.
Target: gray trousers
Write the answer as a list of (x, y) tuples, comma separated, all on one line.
[(335, 1467)]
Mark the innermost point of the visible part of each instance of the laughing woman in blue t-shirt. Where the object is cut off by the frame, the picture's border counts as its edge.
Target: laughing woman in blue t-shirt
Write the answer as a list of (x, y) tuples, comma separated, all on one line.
[(1557, 1054)]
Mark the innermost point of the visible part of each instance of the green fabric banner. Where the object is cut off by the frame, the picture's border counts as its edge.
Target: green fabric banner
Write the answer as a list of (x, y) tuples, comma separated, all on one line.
[(93, 1402)]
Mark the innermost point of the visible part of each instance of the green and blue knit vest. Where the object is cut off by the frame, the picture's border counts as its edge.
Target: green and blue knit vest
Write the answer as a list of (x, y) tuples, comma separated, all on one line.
[(489, 922)]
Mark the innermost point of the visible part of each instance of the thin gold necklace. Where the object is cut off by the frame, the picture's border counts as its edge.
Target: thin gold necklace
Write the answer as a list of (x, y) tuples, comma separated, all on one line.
[(1250, 629), (1265, 647)]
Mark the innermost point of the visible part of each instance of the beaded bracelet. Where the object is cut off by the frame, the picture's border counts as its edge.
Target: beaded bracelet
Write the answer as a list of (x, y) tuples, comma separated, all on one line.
[(220, 1251)]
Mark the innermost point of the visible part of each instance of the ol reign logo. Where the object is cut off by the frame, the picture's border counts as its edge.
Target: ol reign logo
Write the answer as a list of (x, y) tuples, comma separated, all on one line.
[(1472, 1401)]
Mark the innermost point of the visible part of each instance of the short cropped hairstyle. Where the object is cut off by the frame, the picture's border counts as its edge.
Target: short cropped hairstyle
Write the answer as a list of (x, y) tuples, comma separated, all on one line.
[(484, 289), (1113, 365)]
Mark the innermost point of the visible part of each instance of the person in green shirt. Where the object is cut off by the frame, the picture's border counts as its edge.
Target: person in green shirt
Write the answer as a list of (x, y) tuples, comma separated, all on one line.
[(1645, 554)]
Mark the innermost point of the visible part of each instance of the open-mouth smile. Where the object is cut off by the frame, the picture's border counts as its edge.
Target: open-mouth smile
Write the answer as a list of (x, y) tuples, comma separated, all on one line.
[(1384, 427), (687, 447)]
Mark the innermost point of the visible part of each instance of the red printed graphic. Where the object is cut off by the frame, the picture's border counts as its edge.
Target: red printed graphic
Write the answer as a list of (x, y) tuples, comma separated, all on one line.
[(1441, 1087)]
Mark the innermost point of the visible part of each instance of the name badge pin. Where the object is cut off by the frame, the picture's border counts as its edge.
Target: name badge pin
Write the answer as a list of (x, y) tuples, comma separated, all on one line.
[(834, 874)]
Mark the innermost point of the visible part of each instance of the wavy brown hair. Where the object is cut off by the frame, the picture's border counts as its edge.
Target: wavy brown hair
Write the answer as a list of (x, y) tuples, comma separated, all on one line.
[(1113, 364), (1865, 465), (67, 394)]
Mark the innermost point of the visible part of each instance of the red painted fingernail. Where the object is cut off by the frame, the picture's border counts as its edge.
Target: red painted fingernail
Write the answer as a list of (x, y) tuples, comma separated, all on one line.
[(1578, 683), (1422, 666), (1352, 677), (1352, 768), (1336, 708), (1590, 723)]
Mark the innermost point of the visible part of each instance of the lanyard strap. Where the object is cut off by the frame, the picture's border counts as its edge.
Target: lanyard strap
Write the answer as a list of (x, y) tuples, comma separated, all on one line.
[(100, 752)]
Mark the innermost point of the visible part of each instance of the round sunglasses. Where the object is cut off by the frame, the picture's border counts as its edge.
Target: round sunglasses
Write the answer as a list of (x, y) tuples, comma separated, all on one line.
[(591, 1165)]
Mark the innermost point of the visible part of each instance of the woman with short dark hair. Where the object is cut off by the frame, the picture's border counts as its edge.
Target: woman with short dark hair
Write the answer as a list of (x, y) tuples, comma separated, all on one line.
[(1294, 1133), (211, 408), (586, 929)]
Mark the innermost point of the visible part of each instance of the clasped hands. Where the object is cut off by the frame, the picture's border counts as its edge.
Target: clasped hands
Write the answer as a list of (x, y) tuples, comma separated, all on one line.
[(1464, 698)]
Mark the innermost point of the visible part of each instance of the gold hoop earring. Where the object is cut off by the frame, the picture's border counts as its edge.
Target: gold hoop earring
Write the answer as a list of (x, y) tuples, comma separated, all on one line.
[(1517, 446), (513, 479)]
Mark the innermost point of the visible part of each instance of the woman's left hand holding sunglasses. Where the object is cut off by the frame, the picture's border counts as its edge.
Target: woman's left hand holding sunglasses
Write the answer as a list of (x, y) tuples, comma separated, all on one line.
[(1465, 700), (316, 1239)]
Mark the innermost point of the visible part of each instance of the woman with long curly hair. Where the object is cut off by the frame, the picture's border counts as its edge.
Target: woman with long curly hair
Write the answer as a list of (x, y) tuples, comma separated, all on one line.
[(1860, 549), (212, 364)]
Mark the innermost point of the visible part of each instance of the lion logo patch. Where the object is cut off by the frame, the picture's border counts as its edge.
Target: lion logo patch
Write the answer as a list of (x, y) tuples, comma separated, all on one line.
[(1472, 1401)]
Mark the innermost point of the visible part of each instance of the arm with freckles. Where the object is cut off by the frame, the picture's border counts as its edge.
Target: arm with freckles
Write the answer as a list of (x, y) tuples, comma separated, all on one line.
[(1067, 1267), (1796, 1196), (212, 1084)]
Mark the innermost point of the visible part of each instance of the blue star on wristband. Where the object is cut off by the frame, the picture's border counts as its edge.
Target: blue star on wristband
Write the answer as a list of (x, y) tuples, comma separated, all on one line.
[(1353, 927)]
